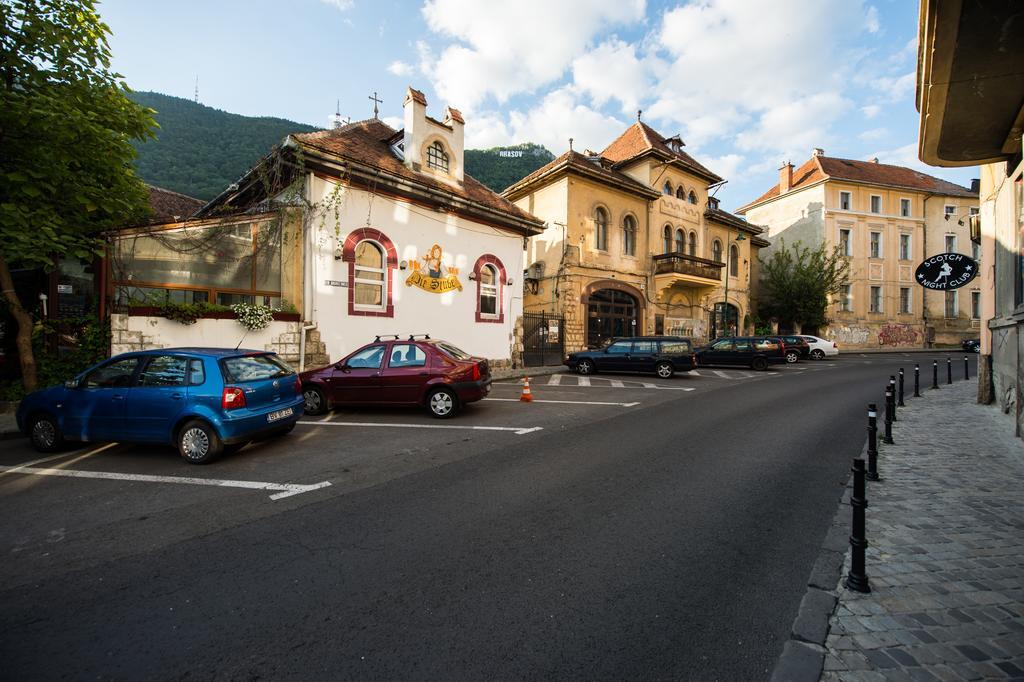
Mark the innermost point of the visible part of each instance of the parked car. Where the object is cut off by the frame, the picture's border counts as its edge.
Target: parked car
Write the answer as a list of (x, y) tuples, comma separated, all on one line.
[(971, 345), (412, 371), (756, 352), (795, 348), (661, 355), (821, 347), (203, 400)]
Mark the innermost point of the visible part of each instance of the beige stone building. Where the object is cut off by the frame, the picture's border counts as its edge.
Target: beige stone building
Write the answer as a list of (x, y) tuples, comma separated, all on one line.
[(635, 244), (887, 220)]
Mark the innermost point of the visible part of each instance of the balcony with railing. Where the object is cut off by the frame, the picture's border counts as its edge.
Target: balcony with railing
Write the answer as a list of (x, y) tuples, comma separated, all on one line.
[(700, 270)]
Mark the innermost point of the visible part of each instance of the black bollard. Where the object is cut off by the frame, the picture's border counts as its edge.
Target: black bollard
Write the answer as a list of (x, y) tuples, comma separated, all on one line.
[(935, 374), (887, 438), (967, 372), (892, 391), (917, 380), (872, 442), (900, 394), (857, 578), (949, 371)]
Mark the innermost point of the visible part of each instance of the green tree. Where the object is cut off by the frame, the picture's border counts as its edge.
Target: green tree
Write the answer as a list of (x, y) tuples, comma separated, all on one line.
[(66, 125), (797, 280)]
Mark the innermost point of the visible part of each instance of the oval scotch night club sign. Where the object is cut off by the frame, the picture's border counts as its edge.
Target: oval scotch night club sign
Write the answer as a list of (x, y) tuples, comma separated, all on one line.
[(946, 271)]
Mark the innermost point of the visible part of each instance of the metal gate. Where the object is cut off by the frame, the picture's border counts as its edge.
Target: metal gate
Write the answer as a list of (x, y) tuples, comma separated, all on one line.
[(543, 339)]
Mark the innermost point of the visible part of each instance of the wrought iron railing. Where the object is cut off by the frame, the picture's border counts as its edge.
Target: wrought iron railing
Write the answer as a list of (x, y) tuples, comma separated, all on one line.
[(687, 265)]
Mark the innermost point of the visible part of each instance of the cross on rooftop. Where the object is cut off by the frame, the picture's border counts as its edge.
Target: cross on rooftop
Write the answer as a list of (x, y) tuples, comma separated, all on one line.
[(376, 101)]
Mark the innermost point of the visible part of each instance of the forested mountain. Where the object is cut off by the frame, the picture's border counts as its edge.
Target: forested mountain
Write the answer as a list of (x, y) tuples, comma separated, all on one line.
[(200, 150)]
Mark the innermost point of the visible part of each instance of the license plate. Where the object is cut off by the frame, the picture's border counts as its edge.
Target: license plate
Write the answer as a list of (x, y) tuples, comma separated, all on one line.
[(280, 414)]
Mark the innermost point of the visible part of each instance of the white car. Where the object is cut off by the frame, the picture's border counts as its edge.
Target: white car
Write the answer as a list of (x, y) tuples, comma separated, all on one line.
[(821, 347)]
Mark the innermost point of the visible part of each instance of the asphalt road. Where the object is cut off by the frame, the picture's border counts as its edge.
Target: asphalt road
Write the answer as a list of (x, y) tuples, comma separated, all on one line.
[(616, 532)]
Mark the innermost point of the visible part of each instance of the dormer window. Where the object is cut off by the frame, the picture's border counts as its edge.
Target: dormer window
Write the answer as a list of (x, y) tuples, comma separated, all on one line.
[(437, 157)]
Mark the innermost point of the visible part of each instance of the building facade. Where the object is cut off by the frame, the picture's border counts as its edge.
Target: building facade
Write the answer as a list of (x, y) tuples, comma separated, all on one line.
[(634, 244), (886, 219), (354, 232), (970, 88)]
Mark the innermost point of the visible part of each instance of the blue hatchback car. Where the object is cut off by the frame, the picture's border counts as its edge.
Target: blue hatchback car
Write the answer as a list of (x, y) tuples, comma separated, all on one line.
[(203, 400)]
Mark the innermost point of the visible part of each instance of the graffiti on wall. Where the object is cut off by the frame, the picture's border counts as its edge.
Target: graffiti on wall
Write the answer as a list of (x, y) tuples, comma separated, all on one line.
[(850, 335), (898, 335)]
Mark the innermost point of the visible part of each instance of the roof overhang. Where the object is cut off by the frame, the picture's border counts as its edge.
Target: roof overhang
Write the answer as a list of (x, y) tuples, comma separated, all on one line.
[(671, 160), (566, 167), (970, 89)]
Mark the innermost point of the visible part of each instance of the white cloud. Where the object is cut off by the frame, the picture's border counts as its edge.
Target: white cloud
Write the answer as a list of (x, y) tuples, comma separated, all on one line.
[(871, 20), (612, 70), (399, 68), (903, 156), (560, 116), (870, 110), (873, 135), (896, 88), (343, 5), (508, 47), (725, 166), (796, 127)]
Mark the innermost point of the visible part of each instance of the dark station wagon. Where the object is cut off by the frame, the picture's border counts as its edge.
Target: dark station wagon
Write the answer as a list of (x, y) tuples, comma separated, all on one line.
[(756, 352), (417, 370), (661, 355)]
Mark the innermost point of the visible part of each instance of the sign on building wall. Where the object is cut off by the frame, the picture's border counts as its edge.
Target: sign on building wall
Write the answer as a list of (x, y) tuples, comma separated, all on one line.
[(431, 274), (946, 271)]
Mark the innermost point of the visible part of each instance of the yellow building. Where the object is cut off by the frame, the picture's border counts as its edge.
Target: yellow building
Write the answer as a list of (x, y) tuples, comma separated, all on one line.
[(634, 244), (887, 220), (970, 88)]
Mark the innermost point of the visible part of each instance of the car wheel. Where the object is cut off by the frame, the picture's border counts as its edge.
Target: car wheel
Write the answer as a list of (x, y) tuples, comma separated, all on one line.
[(818, 354), (977, 349), (45, 434), (198, 443), (792, 356), (316, 401), (443, 403), (760, 364), (665, 370), (585, 367)]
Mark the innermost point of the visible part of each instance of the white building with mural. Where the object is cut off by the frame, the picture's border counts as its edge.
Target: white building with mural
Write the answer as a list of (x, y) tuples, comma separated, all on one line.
[(354, 232)]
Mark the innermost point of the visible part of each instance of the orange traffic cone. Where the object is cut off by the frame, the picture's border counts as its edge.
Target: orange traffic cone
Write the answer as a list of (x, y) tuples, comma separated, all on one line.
[(526, 397)]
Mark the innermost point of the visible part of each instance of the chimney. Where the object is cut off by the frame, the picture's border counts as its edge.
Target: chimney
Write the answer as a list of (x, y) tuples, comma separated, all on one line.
[(453, 119), (976, 185), (818, 151), (785, 177), (414, 111)]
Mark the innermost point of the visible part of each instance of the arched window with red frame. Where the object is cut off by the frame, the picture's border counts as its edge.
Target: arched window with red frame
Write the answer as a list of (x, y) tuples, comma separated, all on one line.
[(371, 258), (491, 280)]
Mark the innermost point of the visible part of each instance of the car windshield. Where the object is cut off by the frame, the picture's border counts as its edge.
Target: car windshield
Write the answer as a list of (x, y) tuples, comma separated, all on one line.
[(254, 368), (452, 351)]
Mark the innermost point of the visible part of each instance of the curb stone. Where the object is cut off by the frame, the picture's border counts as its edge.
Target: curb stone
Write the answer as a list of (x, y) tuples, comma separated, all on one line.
[(799, 661)]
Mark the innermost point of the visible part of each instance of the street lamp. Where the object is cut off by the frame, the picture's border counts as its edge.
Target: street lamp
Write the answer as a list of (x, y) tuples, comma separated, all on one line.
[(728, 263)]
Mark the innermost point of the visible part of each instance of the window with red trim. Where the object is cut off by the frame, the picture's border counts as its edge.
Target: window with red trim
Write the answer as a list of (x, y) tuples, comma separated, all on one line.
[(491, 279), (371, 259)]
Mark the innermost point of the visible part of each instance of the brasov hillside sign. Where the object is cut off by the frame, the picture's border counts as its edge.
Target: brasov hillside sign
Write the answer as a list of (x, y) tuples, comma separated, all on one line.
[(946, 271)]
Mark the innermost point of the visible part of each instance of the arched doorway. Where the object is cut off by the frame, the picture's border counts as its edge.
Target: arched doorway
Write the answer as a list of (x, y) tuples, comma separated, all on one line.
[(724, 321), (611, 313)]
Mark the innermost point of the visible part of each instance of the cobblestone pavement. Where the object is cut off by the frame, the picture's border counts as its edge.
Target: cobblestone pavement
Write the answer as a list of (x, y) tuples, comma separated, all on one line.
[(945, 527)]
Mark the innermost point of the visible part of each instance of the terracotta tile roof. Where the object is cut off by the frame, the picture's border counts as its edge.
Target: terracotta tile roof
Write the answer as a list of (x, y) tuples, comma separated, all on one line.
[(593, 167), (417, 96), (168, 205), (368, 143), (726, 218), (819, 168), (455, 115), (640, 138)]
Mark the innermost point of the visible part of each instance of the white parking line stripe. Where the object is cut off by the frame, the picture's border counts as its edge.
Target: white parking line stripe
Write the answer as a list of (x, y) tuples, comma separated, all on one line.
[(667, 388), (583, 381), (77, 457), (722, 374), (518, 430), (555, 380), (286, 489), (616, 383), (563, 402), (694, 373)]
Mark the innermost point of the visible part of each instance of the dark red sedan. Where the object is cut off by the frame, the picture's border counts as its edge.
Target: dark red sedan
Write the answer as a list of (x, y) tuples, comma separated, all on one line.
[(412, 371)]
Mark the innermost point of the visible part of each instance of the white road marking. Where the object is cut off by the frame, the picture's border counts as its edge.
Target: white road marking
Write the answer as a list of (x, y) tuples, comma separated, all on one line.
[(667, 388), (721, 374), (583, 381), (616, 383), (555, 380), (77, 457), (564, 402), (518, 430), (285, 489), (694, 373)]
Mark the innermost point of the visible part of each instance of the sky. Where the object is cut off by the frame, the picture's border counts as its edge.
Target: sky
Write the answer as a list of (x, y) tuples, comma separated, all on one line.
[(748, 84)]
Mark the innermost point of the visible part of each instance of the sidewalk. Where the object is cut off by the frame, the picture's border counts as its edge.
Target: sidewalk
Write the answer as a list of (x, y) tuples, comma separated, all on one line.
[(945, 559)]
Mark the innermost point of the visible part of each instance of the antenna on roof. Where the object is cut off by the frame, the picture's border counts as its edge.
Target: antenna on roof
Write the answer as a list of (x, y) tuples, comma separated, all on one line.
[(639, 113), (570, 144), (196, 95)]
